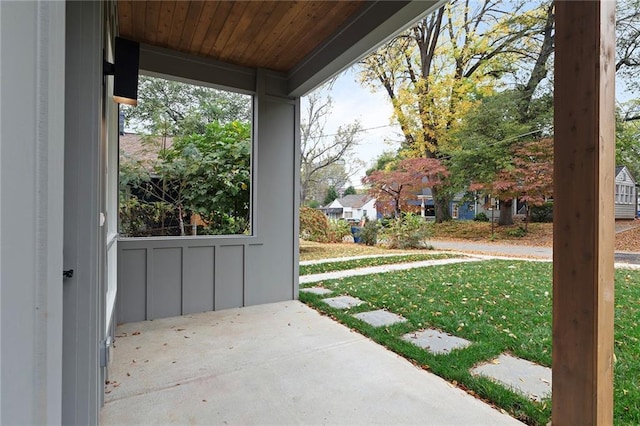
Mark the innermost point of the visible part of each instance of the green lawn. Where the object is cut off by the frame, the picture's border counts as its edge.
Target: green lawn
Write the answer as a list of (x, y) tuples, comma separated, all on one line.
[(500, 306), (344, 265)]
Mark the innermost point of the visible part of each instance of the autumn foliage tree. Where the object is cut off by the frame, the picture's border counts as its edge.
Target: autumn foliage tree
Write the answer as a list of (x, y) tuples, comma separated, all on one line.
[(396, 186), (529, 178), (434, 72)]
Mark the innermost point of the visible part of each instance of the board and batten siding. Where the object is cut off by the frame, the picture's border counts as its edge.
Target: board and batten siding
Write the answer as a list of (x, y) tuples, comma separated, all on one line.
[(172, 277)]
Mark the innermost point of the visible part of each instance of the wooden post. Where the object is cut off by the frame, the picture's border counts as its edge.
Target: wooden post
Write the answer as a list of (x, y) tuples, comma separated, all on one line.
[(584, 213)]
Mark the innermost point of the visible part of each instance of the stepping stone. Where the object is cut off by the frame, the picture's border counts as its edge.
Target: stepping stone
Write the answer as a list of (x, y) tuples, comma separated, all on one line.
[(342, 302), (523, 376), (435, 341), (316, 290), (379, 318)]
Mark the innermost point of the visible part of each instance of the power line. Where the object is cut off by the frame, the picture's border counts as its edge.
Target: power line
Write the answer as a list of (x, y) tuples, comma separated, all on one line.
[(357, 131)]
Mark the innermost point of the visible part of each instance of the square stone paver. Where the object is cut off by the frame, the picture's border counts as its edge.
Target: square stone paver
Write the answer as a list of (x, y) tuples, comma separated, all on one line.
[(379, 318), (342, 302), (524, 376), (436, 341), (316, 290)]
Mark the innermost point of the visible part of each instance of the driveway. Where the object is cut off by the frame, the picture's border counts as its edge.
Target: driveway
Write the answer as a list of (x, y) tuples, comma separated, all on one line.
[(510, 250)]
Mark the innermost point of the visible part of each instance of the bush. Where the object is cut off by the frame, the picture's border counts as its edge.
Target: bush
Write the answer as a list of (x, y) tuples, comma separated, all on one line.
[(338, 229), (314, 225), (518, 232), (543, 213), (409, 231), (369, 233), (481, 217)]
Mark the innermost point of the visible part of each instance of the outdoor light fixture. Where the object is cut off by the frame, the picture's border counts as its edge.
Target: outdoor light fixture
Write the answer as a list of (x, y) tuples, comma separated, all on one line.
[(124, 71)]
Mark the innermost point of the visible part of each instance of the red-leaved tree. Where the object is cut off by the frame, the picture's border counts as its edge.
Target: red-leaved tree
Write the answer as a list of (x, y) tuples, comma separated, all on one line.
[(530, 178), (393, 189)]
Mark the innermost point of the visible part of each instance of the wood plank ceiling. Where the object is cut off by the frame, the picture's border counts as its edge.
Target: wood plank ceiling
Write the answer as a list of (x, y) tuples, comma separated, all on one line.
[(275, 35)]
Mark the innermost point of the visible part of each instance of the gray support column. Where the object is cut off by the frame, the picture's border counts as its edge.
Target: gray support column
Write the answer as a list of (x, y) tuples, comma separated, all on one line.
[(32, 51), (82, 388), (276, 141)]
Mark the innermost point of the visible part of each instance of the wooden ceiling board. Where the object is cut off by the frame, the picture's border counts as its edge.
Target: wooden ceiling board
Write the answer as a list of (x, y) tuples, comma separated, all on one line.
[(125, 17), (271, 28), (306, 41), (152, 20), (220, 17), (177, 24), (167, 9), (204, 23), (194, 13), (233, 18), (255, 16), (241, 30), (269, 34), (269, 54), (139, 19)]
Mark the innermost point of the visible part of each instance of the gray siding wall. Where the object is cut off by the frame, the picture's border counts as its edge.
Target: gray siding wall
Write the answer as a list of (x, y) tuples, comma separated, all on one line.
[(164, 277), (32, 81), (625, 211)]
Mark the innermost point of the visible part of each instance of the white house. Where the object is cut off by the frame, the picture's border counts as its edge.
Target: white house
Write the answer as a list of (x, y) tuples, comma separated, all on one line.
[(352, 207), (626, 199)]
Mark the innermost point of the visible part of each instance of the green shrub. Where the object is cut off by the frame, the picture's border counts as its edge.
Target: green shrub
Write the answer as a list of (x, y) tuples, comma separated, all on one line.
[(405, 232), (369, 233), (481, 217), (518, 232), (338, 229), (314, 225), (543, 213)]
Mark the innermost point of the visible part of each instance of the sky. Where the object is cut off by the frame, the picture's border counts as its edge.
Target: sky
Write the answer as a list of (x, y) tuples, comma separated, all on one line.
[(353, 102)]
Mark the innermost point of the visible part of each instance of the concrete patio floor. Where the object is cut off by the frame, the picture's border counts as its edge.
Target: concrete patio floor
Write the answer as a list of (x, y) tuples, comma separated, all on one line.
[(280, 363)]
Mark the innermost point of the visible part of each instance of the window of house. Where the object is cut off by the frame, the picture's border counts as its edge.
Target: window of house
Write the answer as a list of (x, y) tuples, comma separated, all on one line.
[(455, 211), (185, 161), (348, 215)]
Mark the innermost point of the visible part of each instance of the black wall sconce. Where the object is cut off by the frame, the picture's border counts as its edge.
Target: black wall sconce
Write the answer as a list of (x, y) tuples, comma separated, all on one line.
[(124, 71)]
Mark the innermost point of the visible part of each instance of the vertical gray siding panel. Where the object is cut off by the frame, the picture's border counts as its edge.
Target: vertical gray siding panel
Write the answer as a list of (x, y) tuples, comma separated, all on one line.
[(276, 198), (165, 288), (229, 276), (132, 285), (197, 288)]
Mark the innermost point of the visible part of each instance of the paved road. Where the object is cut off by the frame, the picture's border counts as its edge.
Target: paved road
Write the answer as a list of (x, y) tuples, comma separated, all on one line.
[(518, 251)]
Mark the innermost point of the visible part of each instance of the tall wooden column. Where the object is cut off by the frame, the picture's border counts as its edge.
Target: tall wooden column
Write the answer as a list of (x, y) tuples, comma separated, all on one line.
[(584, 213)]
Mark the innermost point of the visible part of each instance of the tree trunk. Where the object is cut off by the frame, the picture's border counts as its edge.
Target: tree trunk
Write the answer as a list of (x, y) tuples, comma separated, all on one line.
[(506, 212), (441, 206)]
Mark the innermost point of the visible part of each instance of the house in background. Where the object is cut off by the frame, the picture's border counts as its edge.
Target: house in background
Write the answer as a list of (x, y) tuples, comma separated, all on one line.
[(352, 207), (626, 200)]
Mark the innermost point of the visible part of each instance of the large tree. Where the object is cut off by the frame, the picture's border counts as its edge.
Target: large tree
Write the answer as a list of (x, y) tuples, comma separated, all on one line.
[(322, 155), (628, 41), (173, 108), (433, 72)]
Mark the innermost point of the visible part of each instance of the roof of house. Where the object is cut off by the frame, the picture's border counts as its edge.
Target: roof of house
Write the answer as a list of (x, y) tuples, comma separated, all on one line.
[(619, 170), (355, 201), (143, 149)]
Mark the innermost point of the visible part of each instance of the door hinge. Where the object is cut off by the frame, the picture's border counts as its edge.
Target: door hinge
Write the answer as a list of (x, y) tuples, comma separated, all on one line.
[(105, 347), (67, 274)]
